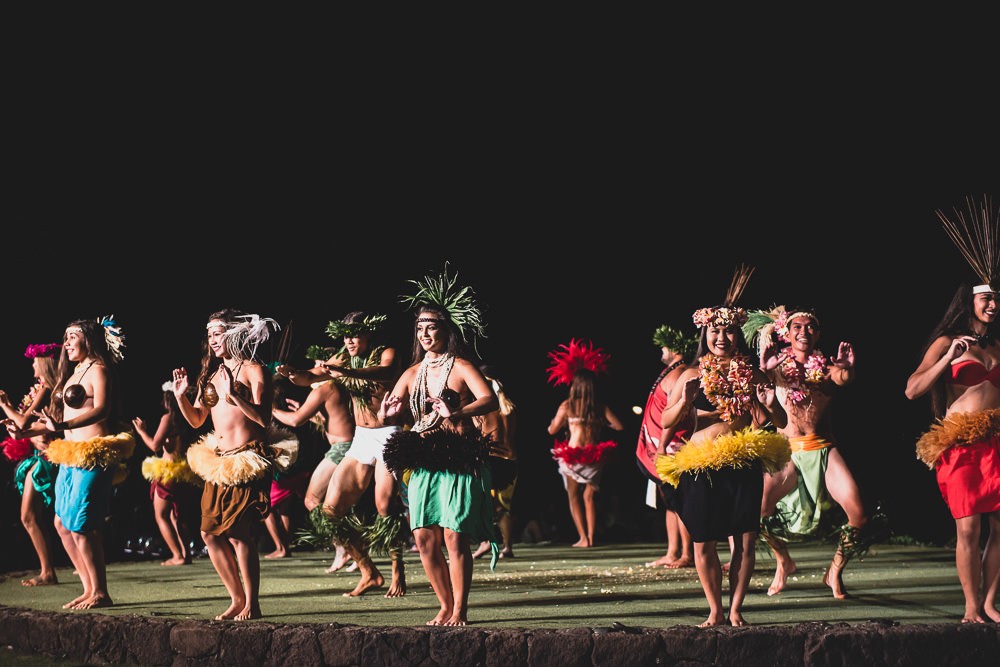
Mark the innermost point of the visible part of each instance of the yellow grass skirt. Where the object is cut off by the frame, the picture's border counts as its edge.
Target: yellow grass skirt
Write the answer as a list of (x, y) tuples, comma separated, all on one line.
[(157, 469), (736, 449)]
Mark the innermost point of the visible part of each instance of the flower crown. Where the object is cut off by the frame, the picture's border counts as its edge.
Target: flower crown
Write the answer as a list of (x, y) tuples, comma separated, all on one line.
[(781, 323), (675, 340), (113, 336), (42, 350), (723, 316), (339, 330), (567, 359)]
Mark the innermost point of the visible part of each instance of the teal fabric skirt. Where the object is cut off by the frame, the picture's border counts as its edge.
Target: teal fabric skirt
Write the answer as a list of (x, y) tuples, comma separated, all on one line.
[(43, 477), (458, 501)]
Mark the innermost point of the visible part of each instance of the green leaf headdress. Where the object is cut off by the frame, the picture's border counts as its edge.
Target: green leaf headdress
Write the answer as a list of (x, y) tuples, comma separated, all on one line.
[(676, 340), (458, 301), (338, 329)]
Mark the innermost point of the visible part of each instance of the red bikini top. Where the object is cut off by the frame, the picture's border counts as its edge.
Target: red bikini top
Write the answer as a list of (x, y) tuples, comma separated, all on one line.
[(970, 372)]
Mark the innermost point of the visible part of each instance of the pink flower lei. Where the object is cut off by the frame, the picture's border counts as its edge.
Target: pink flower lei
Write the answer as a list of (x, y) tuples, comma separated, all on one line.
[(727, 383), (801, 378)]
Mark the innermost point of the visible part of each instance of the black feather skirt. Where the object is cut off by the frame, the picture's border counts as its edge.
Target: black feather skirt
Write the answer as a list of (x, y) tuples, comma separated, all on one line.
[(435, 450)]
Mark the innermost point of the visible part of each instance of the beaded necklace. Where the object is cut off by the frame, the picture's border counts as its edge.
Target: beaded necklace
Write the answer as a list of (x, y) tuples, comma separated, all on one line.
[(422, 391), (727, 383)]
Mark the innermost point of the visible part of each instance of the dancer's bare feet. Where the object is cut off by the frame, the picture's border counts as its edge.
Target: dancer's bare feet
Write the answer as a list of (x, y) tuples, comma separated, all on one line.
[(781, 573), (992, 613), (340, 559), (974, 618), (713, 620), (248, 613), (737, 620), (683, 561), (77, 600), (725, 568), (278, 553), (367, 583), (353, 567), (484, 547), (440, 618), (456, 620), (397, 585), (506, 553), (175, 561), (662, 560), (40, 581), (582, 542), (234, 609), (833, 578), (94, 602)]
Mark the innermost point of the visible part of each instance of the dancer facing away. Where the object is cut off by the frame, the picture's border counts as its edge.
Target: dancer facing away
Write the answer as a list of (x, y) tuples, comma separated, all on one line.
[(330, 403), (585, 415), (173, 487), (90, 455), (718, 472), (500, 426), (367, 370), (795, 498), (35, 475), (676, 349), (233, 459), (450, 481)]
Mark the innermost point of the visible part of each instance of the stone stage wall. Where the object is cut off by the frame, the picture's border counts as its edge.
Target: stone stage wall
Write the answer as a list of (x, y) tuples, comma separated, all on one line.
[(100, 639)]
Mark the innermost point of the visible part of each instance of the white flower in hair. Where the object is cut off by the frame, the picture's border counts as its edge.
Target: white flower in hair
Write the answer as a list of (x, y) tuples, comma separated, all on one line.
[(242, 338)]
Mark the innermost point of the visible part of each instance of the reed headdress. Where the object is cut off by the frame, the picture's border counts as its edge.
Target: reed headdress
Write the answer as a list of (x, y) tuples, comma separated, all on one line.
[(976, 233), (457, 300)]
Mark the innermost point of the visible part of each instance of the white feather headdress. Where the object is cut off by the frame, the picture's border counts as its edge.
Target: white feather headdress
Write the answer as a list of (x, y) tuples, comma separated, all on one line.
[(243, 337)]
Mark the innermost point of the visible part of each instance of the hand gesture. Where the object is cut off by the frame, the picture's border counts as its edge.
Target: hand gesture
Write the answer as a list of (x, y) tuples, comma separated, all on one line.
[(691, 388), (441, 406), (769, 356), (180, 382), (845, 356), (11, 427), (5, 399), (391, 405), (46, 420), (765, 393), (138, 424), (959, 346), (292, 404)]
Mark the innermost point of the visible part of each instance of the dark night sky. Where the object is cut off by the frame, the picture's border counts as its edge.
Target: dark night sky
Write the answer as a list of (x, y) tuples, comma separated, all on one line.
[(583, 224)]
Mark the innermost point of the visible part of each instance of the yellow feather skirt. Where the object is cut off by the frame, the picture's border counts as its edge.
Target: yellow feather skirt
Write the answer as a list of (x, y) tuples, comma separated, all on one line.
[(736, 449), (103, 451), (960, 428), (155, 468)]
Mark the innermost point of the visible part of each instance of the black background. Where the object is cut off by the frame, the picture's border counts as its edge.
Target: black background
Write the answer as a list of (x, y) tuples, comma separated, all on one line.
[(570, 216)]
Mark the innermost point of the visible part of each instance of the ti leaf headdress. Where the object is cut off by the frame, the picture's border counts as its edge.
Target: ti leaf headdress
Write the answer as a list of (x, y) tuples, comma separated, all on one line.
[(977, 237), (458, 301), (569, 358), (339, 329), (675, 340)]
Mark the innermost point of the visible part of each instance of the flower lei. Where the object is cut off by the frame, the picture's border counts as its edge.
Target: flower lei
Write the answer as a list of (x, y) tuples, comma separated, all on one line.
[(727, 383), (800, 380)]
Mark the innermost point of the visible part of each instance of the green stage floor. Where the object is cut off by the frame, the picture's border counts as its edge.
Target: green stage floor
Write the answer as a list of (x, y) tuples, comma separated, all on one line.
[(543, 586)]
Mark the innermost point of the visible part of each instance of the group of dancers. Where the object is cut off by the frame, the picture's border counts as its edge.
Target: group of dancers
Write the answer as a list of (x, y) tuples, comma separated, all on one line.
[(736, 443)]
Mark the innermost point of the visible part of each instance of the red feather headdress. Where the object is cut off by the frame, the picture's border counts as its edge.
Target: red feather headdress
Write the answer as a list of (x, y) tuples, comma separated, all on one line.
[(568, 359)]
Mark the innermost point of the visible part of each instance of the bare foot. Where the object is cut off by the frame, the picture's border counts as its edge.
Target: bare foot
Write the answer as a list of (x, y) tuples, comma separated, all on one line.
[(40, 581), (77, 600), (725, 568), (484, 547), (737, 620), (235, 608), (683, 561), (339, 560), (992, 613), (456, 620), (781, 576), (353, 567), (834, 579), (973, 619), (440, 618), (339, 565), (175, 561), (277, 553), (582, 542), (94, 602), (397, 587), (713, 620), (366, 584), (661, 561), (248, 613), (507, 553)]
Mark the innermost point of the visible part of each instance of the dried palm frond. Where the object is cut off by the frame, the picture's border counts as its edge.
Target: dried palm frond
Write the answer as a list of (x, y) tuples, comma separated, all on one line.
[(976, 234), (741, 276)]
